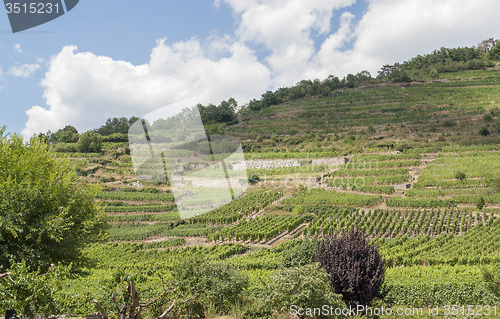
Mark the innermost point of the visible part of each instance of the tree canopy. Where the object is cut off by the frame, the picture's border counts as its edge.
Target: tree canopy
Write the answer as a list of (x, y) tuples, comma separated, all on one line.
[(116, 126), (68, 134), (90, 142), (45, 217)]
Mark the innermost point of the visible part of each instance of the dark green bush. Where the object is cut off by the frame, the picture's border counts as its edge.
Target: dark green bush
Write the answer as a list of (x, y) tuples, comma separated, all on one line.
[(484, 131)]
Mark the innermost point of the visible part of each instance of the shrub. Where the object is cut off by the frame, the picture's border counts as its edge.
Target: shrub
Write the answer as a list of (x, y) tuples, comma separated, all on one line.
[(484, 131), (491, 279), (300, 252), (301, 287), (496, 184), (488, 117), (105, 179), (402, 147), (355, 268), (434, 73), (459, 175), (151, 190), (480, 203), (253, 178), (90, 142), (218, 284), (65, 148), (449, 123)]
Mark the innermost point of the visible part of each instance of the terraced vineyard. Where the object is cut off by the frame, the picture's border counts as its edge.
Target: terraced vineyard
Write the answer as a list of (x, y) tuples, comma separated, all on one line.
[(479, 168), (364, 124), (384, 158)]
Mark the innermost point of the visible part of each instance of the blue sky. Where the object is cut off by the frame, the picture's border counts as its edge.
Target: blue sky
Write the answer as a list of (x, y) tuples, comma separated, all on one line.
[(123, 58)]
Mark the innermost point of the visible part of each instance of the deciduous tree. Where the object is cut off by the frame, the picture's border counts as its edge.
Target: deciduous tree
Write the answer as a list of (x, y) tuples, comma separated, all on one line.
[(90, 142), (45, 218)]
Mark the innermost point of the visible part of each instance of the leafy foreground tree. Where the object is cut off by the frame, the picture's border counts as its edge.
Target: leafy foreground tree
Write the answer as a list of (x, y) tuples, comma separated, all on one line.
[(300, 290), (355, 268), (45, 218), (31, 293)]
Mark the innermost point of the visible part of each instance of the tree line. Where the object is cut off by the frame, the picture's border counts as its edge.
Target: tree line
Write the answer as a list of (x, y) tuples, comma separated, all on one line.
[(116, 129)]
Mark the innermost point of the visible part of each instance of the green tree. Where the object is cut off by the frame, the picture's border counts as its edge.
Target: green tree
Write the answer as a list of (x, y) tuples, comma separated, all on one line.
[(90, 142), (116, 126), (495, 51), (303, 287), (364, 76), (350, 80), (68, 134), (233, 104), (45, 217), (399, 76)]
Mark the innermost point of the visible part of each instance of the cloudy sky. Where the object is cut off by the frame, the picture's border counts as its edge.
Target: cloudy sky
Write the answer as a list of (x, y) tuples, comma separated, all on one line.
[(118, 58)]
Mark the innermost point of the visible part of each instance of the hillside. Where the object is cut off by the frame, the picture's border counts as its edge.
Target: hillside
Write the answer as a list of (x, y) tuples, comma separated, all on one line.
[(347, 145), (414, 165)]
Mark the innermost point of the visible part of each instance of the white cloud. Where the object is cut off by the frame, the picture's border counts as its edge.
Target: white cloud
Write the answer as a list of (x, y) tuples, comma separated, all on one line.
[(390, 31), (285, 27), (17, 48), (397, 30), (84, 89), (23, 71)]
